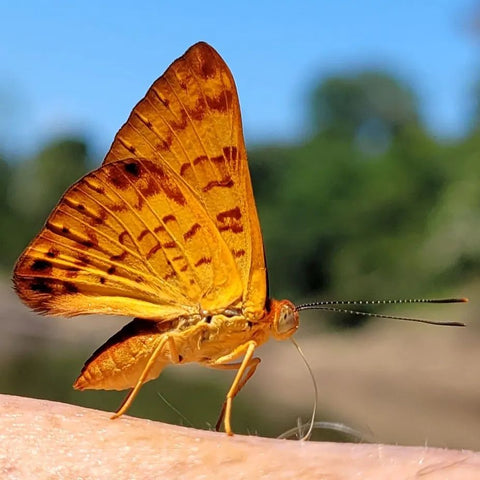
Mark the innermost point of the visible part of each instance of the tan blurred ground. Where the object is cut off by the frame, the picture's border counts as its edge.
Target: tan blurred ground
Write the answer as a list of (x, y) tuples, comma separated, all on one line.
[(401, 383)]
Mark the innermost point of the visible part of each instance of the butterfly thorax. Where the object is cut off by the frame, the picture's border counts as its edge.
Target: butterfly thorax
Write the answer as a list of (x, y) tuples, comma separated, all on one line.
[(279, 319), (217, 336), (223, 333), (232, 328), (206, 338)]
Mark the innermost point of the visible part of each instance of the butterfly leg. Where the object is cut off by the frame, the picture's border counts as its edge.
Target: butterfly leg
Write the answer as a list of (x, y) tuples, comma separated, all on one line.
[(241, 378), (252, 366), (127, 402)]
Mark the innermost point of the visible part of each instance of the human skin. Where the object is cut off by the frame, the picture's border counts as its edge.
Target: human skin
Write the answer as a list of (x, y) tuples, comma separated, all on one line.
[(41, 439)]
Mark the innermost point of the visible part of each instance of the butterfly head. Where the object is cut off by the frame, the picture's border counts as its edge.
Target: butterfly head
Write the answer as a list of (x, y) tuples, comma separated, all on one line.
[(285, 319)]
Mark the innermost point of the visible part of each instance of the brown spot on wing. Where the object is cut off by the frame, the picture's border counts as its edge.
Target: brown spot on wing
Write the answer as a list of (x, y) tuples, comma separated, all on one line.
[(170, 275), (119, 258), (41, 265), (41, 285), (164, 143), (83, 260), (208, 66), (235, 228), (198, 112), (69, 287), (230, 153), (122, 237), (117, 177), (191, 231), (118, 207), (93, 186), (183, 169), (142, 234), (127, 145), (219, 159), (225, 182), (200, 159), (179, 124), (169, 187), (164, 101), (234, 213), (230, 220), (203, 260), (132, 168), (152, 188), (153, 250), (87, 243), (168, 218), (52, 252), (221, 102)]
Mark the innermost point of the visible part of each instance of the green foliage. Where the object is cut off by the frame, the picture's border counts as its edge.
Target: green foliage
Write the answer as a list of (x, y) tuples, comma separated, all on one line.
[(365, 207), (39, 182), (370, 101), (9, 248), (30, 189)]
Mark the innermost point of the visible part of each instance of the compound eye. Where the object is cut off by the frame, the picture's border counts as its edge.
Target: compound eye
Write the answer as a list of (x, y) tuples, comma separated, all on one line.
[(287, 321)]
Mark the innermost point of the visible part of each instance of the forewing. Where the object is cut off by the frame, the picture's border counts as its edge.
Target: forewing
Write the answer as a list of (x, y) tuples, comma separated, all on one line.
[(130, 238), (190, 120)]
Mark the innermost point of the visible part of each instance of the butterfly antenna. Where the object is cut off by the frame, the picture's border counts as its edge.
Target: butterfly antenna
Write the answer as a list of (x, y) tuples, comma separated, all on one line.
[(332, 306)]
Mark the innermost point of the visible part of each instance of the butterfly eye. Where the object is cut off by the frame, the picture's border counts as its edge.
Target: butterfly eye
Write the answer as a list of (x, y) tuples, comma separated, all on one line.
[(285, 322)]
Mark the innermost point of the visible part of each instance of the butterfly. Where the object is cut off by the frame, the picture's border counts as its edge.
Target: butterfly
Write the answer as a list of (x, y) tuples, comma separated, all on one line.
[(166, 231)]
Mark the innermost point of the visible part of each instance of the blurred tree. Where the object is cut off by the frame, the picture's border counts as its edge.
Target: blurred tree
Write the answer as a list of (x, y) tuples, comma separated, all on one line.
[(30, 189), (8, 239), (369, 106), (453, 233), (346, 213), (39, 182)]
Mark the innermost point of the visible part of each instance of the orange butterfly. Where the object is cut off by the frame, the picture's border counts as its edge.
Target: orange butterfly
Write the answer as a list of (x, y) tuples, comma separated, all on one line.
[(165, 230)]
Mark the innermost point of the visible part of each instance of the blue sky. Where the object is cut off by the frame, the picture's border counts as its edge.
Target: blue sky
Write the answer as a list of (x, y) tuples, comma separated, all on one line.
[(81, 66)]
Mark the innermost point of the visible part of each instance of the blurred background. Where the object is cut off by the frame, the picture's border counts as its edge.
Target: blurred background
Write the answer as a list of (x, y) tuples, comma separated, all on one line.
[(362, 123)]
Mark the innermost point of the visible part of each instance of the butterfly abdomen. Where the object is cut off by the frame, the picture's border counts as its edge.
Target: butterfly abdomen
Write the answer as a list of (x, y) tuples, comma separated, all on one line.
[(119, 362)]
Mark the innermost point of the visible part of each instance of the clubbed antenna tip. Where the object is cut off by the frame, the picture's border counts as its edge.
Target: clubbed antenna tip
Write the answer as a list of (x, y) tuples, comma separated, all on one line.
[(450, 300), (333, 306)]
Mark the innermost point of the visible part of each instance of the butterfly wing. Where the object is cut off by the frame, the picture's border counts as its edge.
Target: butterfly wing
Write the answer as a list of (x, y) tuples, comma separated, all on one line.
[(125, 243), (130, 238), (190, 120)]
